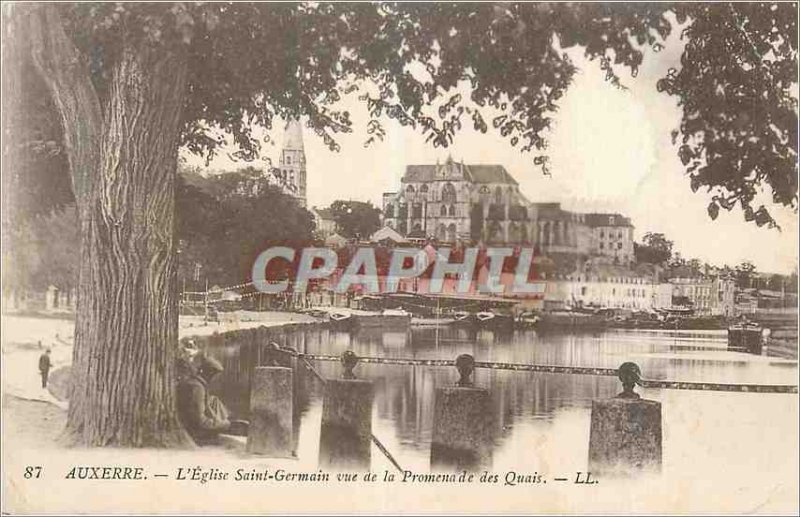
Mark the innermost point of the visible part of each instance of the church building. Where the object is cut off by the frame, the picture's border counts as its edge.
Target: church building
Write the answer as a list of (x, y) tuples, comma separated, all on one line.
[(290, 174), (454, 201), (470, 203)]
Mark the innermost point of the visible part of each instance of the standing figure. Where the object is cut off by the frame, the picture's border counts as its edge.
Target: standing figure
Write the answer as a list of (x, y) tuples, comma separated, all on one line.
[(44, 366)]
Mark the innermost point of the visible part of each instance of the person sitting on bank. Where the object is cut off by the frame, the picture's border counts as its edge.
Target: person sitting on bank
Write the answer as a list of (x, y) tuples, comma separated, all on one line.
[(203, 416)]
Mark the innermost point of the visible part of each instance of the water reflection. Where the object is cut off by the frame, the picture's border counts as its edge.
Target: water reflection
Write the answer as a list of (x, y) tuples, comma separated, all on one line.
[(524, 404)]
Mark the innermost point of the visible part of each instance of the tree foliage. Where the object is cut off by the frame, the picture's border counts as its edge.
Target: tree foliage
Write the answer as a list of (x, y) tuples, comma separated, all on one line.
[(745, 273), (35, 178), (654, 249), (43, 251), (737, 87), (737, 73), (225, 221), (356, 218)]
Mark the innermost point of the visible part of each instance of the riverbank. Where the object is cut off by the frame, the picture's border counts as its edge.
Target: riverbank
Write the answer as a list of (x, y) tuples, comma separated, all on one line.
[(34, 418), (542, 424), (25, 338)]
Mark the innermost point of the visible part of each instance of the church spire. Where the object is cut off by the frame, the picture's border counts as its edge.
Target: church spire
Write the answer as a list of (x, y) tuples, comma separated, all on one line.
[(293, 136)]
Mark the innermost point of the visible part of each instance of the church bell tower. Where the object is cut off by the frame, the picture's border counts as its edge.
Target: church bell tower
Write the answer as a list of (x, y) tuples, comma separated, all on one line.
[(293, 161)]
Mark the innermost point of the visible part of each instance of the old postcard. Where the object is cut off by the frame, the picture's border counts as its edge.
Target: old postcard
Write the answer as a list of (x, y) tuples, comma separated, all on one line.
[(388, 257)]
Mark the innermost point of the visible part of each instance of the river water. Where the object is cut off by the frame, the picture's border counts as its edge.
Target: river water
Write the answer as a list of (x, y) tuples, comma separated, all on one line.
[(541, 421)]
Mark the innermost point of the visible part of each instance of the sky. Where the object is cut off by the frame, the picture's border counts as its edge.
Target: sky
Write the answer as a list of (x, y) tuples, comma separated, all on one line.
[(610, 150)]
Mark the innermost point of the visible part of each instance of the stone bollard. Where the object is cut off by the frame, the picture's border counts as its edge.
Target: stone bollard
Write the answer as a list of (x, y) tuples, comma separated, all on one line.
[(272, 355), (625, 433), (270, 431), (462, 430), (346, 430)]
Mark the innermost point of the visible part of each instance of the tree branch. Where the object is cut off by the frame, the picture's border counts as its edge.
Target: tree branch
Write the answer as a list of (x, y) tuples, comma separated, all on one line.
[(58, 61)]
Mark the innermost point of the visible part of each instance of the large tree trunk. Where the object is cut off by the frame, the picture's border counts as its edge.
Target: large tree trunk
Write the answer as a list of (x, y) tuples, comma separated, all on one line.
[(123, 162)]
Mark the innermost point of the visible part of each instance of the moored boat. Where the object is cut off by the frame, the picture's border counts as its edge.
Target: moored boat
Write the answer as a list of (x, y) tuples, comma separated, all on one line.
[(341, 320), (431, 322), (390, 319), (462, 317), (494, 320), (746, 337), (484, 317), (571, 320)]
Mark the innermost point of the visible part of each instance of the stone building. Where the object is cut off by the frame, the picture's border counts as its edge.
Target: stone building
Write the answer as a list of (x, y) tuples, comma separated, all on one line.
[(707, 295), (611, 236), (325, 222), (560, 231), (456, 202), (598, 284)]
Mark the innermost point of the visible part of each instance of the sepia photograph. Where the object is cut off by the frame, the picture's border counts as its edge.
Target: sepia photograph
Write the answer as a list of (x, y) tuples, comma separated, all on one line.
[(380, 258)]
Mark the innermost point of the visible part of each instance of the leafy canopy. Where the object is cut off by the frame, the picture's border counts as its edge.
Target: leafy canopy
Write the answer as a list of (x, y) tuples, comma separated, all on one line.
[(654, 249), (355, 218), (251, 62), (737, 88), (225, 221)]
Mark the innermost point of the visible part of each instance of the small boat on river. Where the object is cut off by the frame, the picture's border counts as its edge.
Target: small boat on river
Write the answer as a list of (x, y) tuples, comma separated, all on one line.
[(746, 337), (431, 322), (568, 320), (462, 317), (389, 319), (341, 320)]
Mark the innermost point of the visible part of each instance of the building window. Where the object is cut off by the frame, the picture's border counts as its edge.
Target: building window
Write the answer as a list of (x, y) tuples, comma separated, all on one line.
[(602, 234), (448, 193), (496, 212), (443, 211), (601, 245), (498, 195), (410, 190), (288, 160), (452, 211), (619, 245), (517, 213)]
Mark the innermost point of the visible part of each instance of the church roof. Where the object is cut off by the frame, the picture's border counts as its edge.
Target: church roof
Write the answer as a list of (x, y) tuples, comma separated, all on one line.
[(476, 173), (324, 213), (335, 240), (552, 212), (387, 233), (490, 174), (293, 136)]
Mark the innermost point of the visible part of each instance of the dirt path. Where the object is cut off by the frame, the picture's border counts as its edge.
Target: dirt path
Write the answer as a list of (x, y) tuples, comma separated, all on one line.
[(29, 423), (24, 338)]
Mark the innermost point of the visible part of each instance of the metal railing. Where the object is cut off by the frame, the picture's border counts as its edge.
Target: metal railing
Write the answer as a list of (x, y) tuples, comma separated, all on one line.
[(628, 373), (541, 368)]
